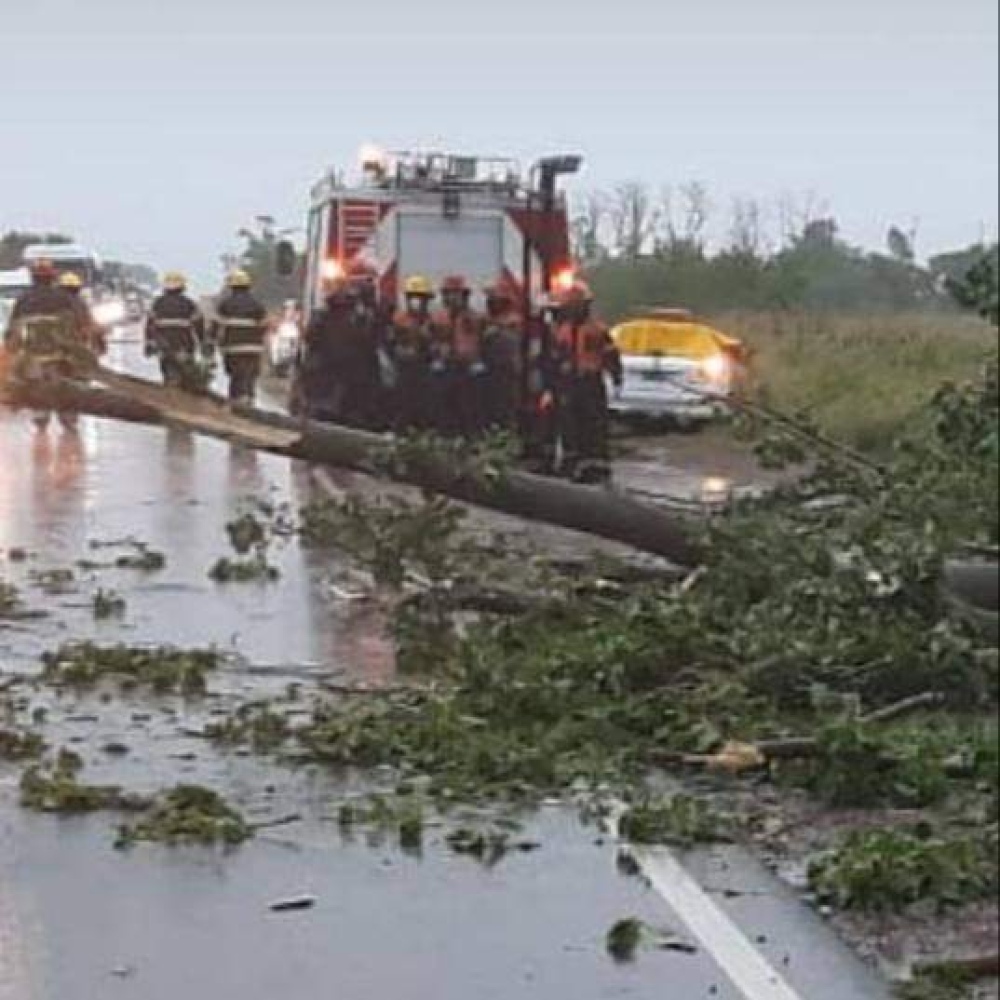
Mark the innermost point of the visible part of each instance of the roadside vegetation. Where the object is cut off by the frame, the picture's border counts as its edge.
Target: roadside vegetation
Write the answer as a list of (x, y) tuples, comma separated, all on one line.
[(860, 378)]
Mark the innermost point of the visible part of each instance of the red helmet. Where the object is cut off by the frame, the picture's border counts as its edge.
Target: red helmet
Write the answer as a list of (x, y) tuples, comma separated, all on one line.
[(43, 270), (455, 283), (503, 290)]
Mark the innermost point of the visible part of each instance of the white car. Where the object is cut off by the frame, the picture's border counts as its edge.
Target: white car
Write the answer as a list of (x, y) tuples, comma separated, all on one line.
[(674, 366), (284, 340)]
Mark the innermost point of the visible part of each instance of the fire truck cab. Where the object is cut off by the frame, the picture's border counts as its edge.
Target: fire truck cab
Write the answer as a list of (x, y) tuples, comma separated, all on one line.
[(436, 214)]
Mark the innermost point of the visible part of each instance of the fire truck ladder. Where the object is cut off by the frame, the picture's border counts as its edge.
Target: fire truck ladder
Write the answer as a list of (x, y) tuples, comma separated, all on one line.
[(357, 222)]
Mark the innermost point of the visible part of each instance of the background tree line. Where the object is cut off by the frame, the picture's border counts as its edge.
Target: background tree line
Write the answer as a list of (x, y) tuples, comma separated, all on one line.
[(643, 248), (258, 256)]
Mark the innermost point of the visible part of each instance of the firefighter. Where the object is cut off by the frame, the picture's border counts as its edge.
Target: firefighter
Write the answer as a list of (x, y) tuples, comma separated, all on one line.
[(239, 329), (323, 361), (457, 362), (584, 355), (175, 332), (45, 322), (410, 348), (366, 376), (95, 336), (502, 346)]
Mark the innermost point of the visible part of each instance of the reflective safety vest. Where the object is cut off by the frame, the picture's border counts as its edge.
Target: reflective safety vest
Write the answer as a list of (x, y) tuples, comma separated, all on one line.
[(175, 334), (411, 336), (43, 335), (241, 336), (462, 334)]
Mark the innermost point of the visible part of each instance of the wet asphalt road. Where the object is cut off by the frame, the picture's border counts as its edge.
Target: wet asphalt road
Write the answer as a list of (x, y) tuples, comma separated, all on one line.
[(79, 921)]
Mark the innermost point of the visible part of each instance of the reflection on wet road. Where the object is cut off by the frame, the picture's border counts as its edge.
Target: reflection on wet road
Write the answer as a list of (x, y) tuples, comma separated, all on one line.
[(61, 493)]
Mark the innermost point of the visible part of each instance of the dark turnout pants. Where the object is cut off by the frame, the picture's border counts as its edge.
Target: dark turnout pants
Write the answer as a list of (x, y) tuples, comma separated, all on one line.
[(471, 399), (409, 397), (583, 419), (243, 371)]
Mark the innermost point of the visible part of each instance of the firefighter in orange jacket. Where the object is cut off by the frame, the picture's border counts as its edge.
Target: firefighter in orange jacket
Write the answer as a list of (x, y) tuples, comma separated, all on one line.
[(502, 346), (584, 356), (457, 369), (410, 349)]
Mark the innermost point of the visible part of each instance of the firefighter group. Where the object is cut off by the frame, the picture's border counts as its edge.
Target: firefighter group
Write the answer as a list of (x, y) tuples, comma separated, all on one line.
[(436, 365)]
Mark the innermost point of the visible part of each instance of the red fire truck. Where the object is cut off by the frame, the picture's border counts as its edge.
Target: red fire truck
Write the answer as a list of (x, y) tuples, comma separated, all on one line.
[(436, 214)]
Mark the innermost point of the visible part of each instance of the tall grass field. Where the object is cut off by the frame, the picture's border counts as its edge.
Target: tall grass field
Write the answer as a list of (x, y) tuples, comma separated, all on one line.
[(858, 376)]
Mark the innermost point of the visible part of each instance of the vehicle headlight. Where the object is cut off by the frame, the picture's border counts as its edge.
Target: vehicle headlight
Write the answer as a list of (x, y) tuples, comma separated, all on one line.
[(109, 313), (715, 368)]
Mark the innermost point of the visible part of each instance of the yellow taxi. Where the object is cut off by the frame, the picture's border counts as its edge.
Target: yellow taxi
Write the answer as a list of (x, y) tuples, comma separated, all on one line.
[(675, 366)]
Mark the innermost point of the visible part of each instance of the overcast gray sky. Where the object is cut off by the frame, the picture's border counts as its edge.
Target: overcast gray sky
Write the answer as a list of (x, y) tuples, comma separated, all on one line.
[(154, 129)]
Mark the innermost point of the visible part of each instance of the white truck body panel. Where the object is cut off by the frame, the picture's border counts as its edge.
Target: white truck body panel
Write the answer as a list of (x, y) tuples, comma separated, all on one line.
[(427, 243)]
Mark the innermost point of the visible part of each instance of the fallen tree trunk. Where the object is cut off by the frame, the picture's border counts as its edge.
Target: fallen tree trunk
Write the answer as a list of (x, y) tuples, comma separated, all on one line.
[(964, 969), (592, 510)]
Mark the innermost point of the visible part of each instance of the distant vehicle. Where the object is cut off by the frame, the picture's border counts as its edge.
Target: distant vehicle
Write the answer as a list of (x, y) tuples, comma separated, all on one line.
[(135, 308), (12, 285), (69, 257), (107, 306), (285, 339), (436, 214), (675, 366)]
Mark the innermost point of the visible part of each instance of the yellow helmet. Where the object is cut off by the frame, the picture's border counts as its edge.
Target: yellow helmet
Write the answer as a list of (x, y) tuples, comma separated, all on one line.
[(174, 281), (70, 279), (417, 284), (239, 279)]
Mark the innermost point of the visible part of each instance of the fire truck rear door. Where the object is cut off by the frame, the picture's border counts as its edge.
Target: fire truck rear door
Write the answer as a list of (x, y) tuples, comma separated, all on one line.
[(435, 246)]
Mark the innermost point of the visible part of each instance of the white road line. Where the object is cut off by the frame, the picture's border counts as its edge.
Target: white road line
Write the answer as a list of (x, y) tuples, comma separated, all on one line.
[(745, 966)]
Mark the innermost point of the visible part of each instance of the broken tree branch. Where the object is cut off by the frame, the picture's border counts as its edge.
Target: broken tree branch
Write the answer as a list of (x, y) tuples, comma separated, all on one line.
[(738, 757)]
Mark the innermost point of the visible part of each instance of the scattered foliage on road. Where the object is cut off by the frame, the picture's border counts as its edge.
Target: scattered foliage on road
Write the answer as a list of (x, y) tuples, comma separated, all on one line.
[(10, 599), (890, 870), (143, 559), (54, 582), (108, 604), (162, 669), (255, 725), (18, 745), (389, 534), (251, 535), (187, 814), (680, 821), (53, 787)]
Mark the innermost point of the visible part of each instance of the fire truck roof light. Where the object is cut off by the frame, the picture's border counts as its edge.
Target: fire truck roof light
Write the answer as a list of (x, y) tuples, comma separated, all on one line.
[(371, 156)]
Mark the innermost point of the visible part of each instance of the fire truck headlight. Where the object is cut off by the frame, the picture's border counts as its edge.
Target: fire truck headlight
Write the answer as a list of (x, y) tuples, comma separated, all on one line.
[(563, 279), (331, 269)]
